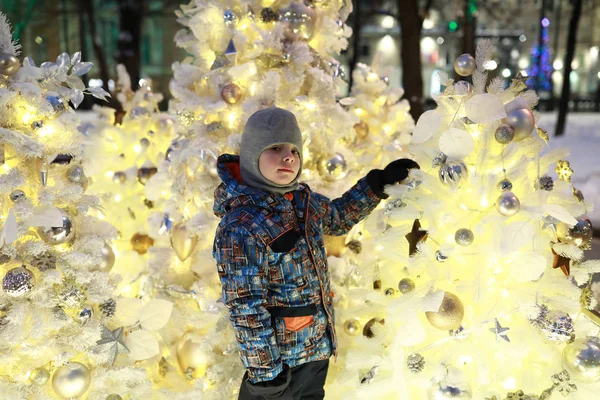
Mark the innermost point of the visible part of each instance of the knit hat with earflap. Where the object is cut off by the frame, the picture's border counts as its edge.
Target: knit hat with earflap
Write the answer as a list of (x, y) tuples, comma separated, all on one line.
[(264, 129)]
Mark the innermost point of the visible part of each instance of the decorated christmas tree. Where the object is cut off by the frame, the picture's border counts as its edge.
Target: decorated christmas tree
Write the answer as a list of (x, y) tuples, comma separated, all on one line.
[(540, 64), (56, 299), (480, 288)]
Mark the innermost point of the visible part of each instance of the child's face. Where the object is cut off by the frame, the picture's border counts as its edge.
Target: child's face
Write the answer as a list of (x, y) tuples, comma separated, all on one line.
[(280, 163)]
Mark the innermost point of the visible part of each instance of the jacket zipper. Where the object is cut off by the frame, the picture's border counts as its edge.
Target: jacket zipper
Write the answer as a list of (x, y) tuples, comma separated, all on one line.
[(330, 319)]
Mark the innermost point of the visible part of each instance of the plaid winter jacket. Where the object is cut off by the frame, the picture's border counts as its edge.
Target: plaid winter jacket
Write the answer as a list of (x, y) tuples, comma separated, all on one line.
[(273, 268)]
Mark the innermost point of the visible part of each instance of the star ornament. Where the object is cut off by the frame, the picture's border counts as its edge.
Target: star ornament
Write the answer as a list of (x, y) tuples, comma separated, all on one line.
[(414, 237), (112, 342), (500, 331), (561, 262), (564, 170)]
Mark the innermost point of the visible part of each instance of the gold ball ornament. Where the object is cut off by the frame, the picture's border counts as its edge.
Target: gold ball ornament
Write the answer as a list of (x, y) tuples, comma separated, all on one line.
[(107, 261), (368, 329), (449, 315), (522, 122), (9, 64), (145, 173), (362, 130), (464, 65), (191, 355), (299, 20), (71, 380), (582, 359), (352, 327), (231, 93), (182, 240), (332, 167), (114, 396), (577, 235), (40, 376), (335, 245), (141, 243), (58, 234), (119, 177)]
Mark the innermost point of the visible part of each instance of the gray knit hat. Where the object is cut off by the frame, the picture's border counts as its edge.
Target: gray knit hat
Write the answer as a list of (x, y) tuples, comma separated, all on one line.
[(264, 129)]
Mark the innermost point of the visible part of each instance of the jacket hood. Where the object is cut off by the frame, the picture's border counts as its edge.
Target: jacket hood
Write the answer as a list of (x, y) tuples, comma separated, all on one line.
[(233, 192)]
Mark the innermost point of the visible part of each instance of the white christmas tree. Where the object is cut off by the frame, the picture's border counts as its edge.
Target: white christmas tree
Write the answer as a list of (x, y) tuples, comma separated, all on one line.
[(56, 302), (483, 291)]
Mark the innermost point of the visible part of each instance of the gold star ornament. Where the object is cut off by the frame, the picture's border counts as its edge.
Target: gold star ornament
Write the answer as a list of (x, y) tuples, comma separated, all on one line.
[(414, 237)]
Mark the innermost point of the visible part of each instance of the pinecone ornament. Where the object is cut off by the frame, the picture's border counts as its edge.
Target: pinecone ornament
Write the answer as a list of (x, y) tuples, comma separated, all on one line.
[(415, 363), (546, 183)]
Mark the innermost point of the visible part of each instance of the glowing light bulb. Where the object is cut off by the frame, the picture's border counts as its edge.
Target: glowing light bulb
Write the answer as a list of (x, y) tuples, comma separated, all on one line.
[(359, 111), (510, 383), (109, 174), (117, 198), (484, 202), (137, 148), (231, 120)]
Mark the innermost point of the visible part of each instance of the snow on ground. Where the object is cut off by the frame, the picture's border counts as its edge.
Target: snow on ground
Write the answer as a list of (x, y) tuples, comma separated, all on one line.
[(582, 138)]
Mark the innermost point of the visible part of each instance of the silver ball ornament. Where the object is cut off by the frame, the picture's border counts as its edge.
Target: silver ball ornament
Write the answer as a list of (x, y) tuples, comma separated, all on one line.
[(441, 257), (17, 196), (57, 103), (505, 185), (113, 396), (18, 281), (9, 64), (464, 65), (504, 134), (85, 314), (300, 21), (508, 204), (71, 380), (447, 391), (464, 237), (522, 122), (582, 358), (58, 234), (229, 17), (107, 259), (144, 142), (406, 285), (453, 173), (333, 167), (390, 291), (76, 174)]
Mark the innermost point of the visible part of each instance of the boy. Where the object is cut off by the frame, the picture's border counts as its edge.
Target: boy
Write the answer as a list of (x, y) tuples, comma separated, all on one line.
[(271, 258)]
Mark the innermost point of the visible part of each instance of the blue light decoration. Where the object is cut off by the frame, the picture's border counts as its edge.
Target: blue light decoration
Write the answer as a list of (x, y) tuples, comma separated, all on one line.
[(540, 70)]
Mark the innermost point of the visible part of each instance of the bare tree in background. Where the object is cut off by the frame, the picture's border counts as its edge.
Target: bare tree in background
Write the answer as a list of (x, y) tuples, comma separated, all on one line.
[(563, 105), (131, 14)]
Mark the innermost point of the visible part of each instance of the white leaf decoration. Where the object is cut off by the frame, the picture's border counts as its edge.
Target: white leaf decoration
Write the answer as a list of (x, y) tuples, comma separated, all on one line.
[(75, 82), (128, 311), (429, 123), (76, 58), (47, 217), (98, 93), (519, 234), (9, 230), (347, 101), (62, 60), (142, 345), (525, 267), (568, 250), (456, 143), (485, 108), (77, 97), (155, 314), (560, 213), (82, 68)]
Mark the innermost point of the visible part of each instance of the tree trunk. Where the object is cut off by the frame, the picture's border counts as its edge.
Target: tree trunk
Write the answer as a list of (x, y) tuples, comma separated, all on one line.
[(563, 105), (356, 25), (87, 8), (557, 18), (410, 54), (468, 42), (130, 31)]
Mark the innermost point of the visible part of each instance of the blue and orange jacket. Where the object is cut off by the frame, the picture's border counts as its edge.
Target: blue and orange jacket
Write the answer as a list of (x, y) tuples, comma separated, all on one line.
[(273, 268)]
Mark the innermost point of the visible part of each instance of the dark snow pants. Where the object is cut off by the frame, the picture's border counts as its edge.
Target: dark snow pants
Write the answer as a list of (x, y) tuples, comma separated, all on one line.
[(307, 381)]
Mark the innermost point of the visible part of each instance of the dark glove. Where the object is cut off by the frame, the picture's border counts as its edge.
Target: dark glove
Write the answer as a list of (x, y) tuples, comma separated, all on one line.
[(396, 171), (276, 389)]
